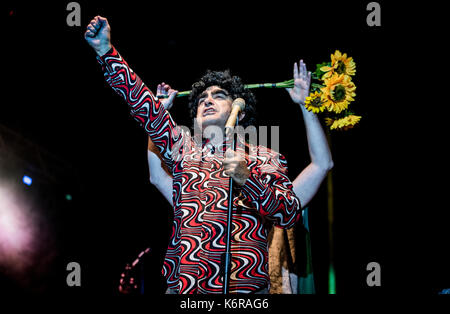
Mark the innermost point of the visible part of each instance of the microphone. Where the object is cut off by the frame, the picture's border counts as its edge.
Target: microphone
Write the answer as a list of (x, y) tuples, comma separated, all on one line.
[(237, 106)]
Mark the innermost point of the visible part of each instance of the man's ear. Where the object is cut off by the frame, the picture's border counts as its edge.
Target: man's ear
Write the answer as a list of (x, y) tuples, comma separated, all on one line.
[(241, 115)]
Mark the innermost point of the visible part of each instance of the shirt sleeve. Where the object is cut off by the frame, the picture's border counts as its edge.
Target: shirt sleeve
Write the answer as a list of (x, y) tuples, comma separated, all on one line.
[(271, 192), (145, 108)]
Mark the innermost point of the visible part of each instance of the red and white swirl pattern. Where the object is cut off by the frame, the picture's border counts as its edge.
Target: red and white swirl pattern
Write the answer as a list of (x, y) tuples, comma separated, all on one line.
[(200, 197)]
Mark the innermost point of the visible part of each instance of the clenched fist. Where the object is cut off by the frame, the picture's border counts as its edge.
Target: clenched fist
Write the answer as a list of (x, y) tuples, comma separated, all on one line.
[(98, 35)]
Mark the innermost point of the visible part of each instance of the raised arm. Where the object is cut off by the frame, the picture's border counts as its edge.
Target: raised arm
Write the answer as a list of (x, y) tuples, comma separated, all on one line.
[(144, 106), (160, 175), (307, 183)]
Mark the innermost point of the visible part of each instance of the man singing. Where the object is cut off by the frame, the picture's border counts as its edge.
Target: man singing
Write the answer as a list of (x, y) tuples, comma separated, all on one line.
[(201, 169)]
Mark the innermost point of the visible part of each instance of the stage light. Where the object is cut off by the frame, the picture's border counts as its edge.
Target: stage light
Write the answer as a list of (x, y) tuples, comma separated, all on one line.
[(27, 180), (331, 280), (26, 245), (68, 197), (17, 230)]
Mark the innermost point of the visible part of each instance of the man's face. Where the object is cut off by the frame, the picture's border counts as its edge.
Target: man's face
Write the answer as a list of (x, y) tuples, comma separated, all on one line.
[(214, 107)]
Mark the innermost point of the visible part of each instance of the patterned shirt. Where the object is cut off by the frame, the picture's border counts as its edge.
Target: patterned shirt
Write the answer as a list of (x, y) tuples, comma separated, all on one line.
[(200, 196)]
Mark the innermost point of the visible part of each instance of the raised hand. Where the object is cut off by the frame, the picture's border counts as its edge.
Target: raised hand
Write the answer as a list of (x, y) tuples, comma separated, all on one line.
[(164, 89), (98, 35), (302, 82)]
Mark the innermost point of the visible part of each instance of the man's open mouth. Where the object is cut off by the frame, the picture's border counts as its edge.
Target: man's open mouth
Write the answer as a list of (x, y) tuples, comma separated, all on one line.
[(209, 111)]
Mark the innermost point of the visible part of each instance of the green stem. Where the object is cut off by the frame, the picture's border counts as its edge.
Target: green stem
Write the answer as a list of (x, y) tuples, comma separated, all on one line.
[(285, 84)]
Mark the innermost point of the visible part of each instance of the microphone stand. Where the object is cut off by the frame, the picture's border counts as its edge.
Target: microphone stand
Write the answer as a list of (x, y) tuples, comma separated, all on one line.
[(226, 257)]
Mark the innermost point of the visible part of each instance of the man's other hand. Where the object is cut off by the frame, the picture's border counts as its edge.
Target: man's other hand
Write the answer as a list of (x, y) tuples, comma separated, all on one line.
[(235, 166)]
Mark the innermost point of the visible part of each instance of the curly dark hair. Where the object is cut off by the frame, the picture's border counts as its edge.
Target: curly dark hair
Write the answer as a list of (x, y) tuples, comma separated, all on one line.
[(233, 85)]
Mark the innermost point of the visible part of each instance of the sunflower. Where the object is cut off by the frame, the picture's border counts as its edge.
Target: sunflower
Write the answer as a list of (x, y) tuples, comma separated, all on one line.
[(340, 64), (314, 102), (338, 92), (344, 124)]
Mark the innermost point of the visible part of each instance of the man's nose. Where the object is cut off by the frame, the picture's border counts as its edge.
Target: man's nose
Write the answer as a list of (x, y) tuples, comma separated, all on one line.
[(208, 101)]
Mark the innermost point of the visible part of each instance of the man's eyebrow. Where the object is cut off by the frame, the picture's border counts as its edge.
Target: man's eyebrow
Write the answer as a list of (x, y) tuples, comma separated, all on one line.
[(217, 91), (220, 91), (202, 95)]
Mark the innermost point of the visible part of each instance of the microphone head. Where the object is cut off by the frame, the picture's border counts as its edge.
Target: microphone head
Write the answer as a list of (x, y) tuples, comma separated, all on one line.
[(240, 103)]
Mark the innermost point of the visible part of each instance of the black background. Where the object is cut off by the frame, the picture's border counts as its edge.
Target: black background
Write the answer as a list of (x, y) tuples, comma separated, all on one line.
[(386, 207)]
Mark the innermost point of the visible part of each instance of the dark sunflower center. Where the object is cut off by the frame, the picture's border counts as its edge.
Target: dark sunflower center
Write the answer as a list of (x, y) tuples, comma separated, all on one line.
[(340, 67), (339, 93), (316, 102)]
